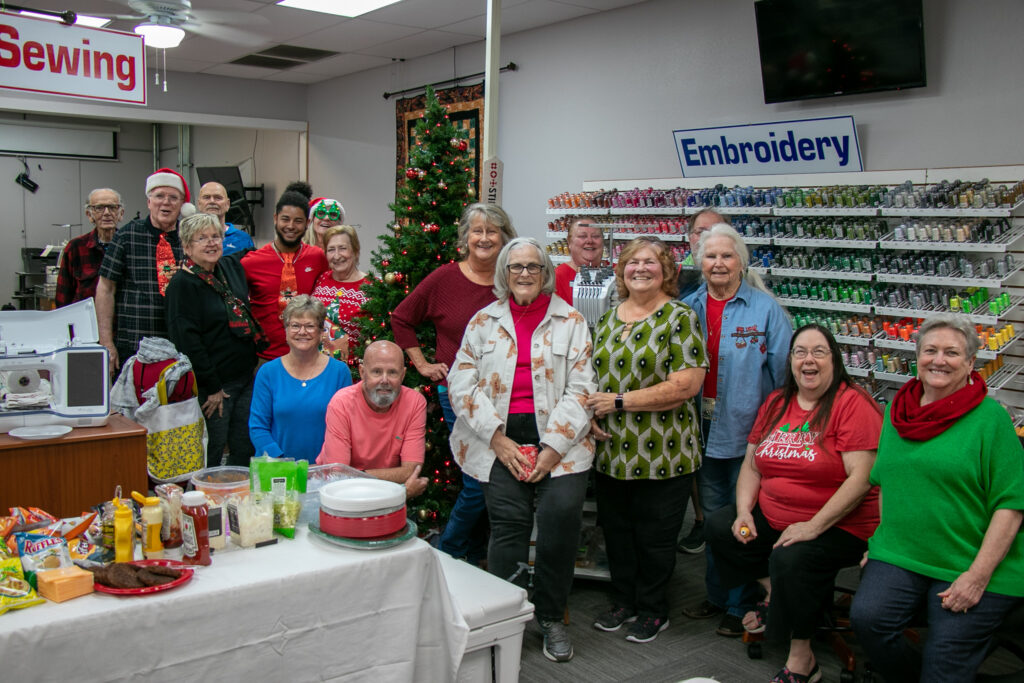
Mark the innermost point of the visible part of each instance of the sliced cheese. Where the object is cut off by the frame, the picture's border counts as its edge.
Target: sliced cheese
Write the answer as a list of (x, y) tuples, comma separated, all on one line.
[(63, 584)]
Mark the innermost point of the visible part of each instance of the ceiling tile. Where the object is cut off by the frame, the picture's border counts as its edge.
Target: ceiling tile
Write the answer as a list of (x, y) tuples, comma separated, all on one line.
[(239, 71), (419, 44), (356, 35), (427, 13), (342, 64)]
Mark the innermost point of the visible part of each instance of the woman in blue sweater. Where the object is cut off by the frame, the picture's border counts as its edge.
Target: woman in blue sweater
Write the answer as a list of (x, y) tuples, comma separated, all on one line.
[(289, 400)]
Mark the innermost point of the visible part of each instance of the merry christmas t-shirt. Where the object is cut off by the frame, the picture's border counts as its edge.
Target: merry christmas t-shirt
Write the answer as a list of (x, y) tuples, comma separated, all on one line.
[(800, 472)]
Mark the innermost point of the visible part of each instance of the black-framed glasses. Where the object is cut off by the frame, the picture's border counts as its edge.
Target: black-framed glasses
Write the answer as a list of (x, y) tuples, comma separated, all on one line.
[(818, 352), (531, 268), (103, 208)]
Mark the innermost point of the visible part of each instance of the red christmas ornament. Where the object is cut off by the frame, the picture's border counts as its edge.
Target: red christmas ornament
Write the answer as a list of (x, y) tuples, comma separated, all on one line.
[(463, 145), (410, 173)]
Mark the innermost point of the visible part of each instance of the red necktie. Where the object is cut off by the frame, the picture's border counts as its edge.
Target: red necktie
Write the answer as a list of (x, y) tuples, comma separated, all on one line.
[(289, 287), (164, 263)]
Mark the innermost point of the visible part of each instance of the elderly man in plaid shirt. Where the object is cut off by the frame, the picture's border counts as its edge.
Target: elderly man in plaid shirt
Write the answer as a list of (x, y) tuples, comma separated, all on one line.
[(137, 267), (80, 261)]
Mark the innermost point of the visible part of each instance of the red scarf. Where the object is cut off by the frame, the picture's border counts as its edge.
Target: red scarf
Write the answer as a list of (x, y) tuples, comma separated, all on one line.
[(920, 423)]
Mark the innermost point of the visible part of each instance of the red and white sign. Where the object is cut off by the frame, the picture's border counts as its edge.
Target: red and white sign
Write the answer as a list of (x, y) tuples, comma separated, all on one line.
[(50, 57), (494, 170)]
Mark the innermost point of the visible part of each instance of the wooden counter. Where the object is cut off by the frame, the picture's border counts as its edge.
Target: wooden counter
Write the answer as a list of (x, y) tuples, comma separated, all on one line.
[(71, 473)]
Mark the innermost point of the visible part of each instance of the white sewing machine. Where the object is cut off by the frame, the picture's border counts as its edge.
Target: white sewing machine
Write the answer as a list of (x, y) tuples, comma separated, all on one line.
[(57, 349)]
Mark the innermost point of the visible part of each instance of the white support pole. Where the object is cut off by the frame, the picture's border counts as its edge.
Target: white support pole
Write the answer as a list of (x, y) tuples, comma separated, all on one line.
[(492, 72)]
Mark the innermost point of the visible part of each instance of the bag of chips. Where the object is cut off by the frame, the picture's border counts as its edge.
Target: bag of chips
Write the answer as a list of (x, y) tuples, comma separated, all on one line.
[(15, 591), (40, 552)]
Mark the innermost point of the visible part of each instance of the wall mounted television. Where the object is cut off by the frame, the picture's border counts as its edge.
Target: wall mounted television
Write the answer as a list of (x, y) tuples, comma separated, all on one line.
[(824, 48)]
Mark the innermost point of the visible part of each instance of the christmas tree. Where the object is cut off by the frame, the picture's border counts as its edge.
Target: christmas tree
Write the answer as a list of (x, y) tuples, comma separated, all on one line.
[(423, 236)]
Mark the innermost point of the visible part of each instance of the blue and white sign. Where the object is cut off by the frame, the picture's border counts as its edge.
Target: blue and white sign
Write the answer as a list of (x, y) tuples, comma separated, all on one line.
[(827, 145)]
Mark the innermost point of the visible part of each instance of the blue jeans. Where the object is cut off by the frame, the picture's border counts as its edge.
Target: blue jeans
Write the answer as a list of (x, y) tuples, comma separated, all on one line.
[(457, 538), (716, 481), (230, 429), (889, 597)]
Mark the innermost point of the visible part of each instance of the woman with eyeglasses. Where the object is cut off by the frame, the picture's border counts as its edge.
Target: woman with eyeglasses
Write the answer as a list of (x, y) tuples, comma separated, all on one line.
[(804, 507), (521, 377), (207, 303), (324, 214), (446, 300), (340, 290), (290, 397)]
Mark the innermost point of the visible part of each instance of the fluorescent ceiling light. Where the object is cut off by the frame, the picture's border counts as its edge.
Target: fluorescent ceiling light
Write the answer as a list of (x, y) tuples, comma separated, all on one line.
[(160, 35), (341, 8), (82, 20)]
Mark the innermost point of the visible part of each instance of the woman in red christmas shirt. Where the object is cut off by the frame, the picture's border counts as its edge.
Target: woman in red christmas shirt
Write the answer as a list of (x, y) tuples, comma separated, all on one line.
[(340, 291), (804, 508)]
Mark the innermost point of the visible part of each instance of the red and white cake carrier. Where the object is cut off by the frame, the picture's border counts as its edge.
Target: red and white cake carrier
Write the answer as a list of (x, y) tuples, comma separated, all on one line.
[(362, 508)]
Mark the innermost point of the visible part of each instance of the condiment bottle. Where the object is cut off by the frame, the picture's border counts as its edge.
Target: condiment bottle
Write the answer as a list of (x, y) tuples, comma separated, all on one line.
[(195, 529), (152, 522), (124, 532)]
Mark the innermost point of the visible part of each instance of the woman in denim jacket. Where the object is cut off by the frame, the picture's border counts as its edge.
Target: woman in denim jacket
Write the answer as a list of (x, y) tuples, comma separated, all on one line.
[(747, 334)]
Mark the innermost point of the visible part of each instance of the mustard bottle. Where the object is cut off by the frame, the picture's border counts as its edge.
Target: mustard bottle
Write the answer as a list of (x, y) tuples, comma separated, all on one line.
[(124, 532), (152, 521)]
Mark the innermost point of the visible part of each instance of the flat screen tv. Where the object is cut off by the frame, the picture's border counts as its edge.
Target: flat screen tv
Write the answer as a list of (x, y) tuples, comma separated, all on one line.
[(230, 177), (823, 48)]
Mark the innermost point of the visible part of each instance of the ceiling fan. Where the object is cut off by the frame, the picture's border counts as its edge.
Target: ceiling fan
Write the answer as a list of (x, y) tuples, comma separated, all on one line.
[(165, 22)]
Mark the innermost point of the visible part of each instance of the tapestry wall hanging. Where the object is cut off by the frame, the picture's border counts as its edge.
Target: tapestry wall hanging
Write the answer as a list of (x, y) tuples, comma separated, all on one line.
[(465, 110)]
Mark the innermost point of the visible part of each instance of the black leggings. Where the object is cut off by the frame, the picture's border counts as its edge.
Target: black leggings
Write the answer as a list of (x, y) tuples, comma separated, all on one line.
[(802, 574)]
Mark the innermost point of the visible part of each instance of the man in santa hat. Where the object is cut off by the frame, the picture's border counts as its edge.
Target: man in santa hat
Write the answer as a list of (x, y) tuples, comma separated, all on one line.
[(139, 263)]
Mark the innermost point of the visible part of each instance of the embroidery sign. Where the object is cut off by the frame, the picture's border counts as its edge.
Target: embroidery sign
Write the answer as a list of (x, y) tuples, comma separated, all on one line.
[(826, 145)]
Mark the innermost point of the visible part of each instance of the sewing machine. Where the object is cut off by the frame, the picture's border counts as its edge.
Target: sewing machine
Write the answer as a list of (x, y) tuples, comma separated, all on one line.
[(58, 349)]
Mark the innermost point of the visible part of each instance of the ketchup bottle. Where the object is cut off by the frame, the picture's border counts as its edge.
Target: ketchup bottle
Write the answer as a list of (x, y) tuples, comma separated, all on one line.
[(195, 529)]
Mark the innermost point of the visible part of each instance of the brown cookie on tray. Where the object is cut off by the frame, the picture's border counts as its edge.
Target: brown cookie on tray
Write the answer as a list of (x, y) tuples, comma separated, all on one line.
[(151, 579), (122, 575), (164, 571)]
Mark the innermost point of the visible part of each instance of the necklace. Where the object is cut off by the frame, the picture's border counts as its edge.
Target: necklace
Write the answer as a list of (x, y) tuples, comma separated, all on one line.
[(277, 251), (306, 374)]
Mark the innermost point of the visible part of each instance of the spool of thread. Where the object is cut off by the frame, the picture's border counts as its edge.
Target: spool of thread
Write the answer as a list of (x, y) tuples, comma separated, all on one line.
[(22, 381), (745, 531)]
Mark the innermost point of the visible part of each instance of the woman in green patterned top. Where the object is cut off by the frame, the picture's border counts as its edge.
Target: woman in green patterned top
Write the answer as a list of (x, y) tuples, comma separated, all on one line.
[(650, 363)]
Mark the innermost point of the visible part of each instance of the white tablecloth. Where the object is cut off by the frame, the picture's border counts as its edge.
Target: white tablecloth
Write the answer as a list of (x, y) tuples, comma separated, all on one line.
[(301, 610)]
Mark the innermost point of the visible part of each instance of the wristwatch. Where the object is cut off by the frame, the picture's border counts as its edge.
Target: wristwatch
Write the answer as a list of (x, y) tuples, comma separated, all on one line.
[(618, 402)]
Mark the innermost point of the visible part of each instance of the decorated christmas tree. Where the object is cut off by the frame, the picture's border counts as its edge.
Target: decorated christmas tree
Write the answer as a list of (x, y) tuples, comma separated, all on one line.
[(424, 235)]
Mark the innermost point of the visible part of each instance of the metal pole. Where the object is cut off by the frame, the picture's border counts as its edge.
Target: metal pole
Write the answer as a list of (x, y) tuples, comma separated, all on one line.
[(491, 77)]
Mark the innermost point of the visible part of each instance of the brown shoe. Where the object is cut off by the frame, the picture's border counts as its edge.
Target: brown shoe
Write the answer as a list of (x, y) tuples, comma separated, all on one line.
[(704, 610)]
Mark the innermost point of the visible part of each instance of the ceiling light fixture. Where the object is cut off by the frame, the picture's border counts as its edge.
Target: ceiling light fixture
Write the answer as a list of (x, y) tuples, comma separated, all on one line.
[(341, 8), (82, 19), (160, 35)]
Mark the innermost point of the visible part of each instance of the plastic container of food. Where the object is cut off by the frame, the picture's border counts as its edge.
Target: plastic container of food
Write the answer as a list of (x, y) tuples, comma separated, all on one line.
[(362, 508), (220, 482)]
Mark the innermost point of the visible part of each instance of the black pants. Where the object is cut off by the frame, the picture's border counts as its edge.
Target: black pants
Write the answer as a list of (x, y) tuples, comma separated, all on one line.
[(802, 574), (510, 507), (641, 521)]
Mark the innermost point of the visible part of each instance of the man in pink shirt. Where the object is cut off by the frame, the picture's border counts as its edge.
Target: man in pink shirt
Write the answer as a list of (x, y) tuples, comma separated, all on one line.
[(378, 425)]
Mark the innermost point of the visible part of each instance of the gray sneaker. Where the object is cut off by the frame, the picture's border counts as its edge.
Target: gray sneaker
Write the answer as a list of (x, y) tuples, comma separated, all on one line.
[(557, 646)]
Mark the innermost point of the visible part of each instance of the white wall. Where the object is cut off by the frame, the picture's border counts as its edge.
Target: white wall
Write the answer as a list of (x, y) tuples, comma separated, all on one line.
[(599, 97), (64, 186)]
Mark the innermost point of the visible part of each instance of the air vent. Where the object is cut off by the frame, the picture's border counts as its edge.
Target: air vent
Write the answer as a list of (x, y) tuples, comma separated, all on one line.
[(284, 57)]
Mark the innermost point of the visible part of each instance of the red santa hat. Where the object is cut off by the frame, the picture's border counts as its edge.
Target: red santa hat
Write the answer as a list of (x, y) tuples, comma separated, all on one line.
[(166, 177), (314, 203)]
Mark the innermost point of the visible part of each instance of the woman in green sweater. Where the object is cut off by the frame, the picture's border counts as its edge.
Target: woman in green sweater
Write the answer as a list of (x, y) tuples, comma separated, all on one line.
[(951, 473)]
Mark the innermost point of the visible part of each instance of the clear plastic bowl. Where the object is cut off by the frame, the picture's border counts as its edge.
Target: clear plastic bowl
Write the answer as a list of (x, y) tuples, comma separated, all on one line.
[(221, 482)]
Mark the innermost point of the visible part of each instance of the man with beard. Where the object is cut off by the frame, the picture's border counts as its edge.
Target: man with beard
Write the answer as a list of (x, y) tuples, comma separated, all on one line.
[(281, 270), (137, 267), (378, 425), (213, 199), (81, 259)]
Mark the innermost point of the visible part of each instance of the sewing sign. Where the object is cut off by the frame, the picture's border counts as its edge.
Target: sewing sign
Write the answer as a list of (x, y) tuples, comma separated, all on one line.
[(78, 61)]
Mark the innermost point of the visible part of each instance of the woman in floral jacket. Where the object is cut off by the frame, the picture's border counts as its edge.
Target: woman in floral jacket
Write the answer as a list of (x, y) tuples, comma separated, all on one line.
[(508, 395)]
